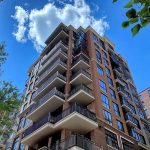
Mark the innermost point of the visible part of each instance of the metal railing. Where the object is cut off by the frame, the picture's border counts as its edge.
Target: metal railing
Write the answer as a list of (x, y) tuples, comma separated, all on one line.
[(54, 91), (54, 119), (43, 75), (75, 140), (81, 87), (81, 71), (45, 84), (53, 50), (46, 119), (76, 108), (80, 57), (129, 117), (125, 102)]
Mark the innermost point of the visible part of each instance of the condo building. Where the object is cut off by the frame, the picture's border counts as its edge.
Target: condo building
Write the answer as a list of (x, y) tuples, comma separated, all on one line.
[(80, 95), (145, 98)]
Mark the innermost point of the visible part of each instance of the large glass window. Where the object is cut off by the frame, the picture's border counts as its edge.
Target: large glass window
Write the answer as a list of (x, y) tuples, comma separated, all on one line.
[(127, 145), (107, 117), (26, 122), (116, 109), (108, 71), (104, 54), (98, 56), (112, 94), (21, 122), (106, 62), (120, 125), (102, 86), (105, 101), (132, 109), (24, 107), (100, 70), (21, 147), (110, 82), (111, 139), (16, 144), (95, 38)]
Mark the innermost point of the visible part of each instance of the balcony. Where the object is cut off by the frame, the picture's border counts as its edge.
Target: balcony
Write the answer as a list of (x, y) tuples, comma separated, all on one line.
[(81, 94), (120, 81), (130, 120), (38, 130), (56, 80), (60, 46), (75, 141), (121, 91), (125, 104), (57, 66), (50, 102), (81, 76), (70, 119), (57, 55), (80, 62)]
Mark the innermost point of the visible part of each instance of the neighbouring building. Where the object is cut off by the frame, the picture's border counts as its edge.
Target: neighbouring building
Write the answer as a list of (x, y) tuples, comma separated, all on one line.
[(80, 95)]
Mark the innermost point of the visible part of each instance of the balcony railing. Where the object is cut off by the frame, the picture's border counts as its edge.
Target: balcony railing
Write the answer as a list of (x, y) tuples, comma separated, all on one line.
[(46, 98), (51, 119), (81, 72), (46, 119), (81, 87), (53, 51), (42, 76), (129, 117), (76, 108), (125, 102), (75, 140), (45, 84), (80, 57)]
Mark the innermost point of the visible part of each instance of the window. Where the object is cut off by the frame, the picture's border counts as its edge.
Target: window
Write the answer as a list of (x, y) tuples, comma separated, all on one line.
[(101, 43), (105, 101), (132, 109), (100, 70), (142, 139), (27, 97), (108, 71), (98, 56), (136, 101), (112, 93), (104, 54), (31, 86), (95, 38), (102, 86), (134, 134), (110, 81), (141, 97), (120, 125), (26, 122), (106, 62), (20, 123), (127, 145), (24, 107), (21, 147), (16, 143), (107, 117), (111, 139), (116, 109)]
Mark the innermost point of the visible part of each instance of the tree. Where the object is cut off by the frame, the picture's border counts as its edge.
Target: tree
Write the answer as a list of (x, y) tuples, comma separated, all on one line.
[(138, 15), (3, 54), (10, 99)]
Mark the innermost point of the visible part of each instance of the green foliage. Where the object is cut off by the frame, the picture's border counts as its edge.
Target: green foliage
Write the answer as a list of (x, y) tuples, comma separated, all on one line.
[(3, 54), (138, 14), (10, 99)]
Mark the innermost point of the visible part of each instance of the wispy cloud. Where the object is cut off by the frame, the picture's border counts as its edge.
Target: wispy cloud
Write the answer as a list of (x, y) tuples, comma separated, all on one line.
[(43, 21)]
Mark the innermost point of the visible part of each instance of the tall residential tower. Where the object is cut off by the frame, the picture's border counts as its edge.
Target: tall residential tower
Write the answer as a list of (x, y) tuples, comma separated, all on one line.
[(80, 95)]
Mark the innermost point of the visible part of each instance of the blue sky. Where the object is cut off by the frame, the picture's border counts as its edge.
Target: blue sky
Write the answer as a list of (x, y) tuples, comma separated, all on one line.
[(136, 50)]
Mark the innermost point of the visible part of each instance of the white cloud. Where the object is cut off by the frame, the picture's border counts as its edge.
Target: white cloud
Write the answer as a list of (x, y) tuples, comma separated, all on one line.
[(43, 21), (21, 16)]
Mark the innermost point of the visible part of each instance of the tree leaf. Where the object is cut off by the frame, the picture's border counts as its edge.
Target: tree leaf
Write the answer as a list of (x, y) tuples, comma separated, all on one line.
[(128, 5), (125, 24), (136, 29), (131, 13)]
